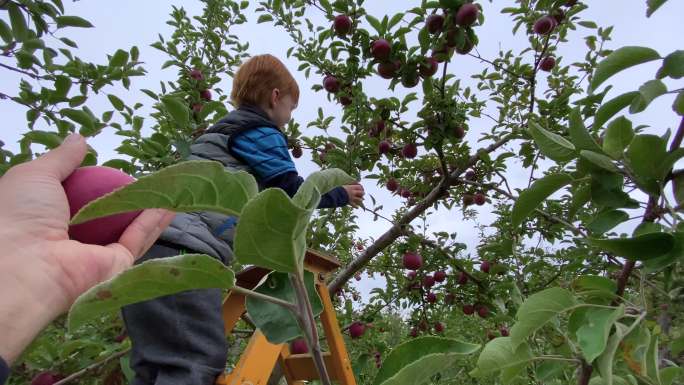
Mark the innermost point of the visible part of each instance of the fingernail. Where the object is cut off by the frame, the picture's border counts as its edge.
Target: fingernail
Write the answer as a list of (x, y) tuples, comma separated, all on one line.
[(73, 138)]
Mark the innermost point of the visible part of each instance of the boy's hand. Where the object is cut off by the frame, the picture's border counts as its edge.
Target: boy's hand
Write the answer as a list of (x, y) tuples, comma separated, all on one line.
[(355, 193)]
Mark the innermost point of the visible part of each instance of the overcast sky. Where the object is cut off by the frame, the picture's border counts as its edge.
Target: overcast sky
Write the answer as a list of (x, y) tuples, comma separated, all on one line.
[(124, 23)]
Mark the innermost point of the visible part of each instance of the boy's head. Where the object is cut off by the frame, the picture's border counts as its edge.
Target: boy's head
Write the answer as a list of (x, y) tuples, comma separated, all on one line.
[(264, 81)]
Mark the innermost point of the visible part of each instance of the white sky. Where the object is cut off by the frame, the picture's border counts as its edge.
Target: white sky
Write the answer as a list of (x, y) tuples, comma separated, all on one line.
[(123, 23)]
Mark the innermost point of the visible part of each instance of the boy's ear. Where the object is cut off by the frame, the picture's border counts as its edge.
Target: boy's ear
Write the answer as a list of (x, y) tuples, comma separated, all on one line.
[(275, 97)]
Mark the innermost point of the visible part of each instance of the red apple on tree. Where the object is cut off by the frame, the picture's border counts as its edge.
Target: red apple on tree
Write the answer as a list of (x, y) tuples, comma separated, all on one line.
[(428, 281), (412, 260), (342, 24), (439, 327), (482, 311), (392, 185), (298, 346), (544, 25), (429, 67), (431, 297), (205, 95), (46, 378), (331, 84), (468, 309), (409, 151), (440, 276), (485, 266), (196, 74), (297, 151), (357, 329), (381, 49), (388, 69), (479, 199), (462, 278), (434, 23), (504, 332), (86, 184), (384, 147), (547, 63), (467, 15)]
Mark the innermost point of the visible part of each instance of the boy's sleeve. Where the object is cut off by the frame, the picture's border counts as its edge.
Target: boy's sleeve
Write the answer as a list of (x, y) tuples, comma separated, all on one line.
[(4, 371), (264, 150), (290, 182)]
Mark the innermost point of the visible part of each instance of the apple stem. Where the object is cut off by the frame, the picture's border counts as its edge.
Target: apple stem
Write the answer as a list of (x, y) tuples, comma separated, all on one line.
[(307, 322)]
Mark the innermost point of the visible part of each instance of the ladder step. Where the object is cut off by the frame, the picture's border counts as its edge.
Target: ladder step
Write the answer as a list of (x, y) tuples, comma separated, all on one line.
[(302, 368)]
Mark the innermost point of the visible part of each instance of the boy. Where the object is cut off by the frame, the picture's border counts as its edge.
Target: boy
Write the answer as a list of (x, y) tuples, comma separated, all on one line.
[(179, 339)]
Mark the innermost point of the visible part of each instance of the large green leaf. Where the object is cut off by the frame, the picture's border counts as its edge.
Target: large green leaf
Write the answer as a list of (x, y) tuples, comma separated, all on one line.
[(607, 190), (599, 160), (415, 361), (646, 154), (72, 21), (605, 361), (18, 22), (501, 354), (187, 186), (579, 135), (272, 232), (539, 309), (552, 145), (593, 334), (594, 287), (150, 279), (652, 360), (676, 254), (619, 60), (318, 183), (79, 116), (277, 323), (653, 6), (6, 32), (673, 65), (612, 107), (607, 220), (177, 109), (640, 248), (647, 93), (678, 105), (670, 374), (541, 189), (618, 136)]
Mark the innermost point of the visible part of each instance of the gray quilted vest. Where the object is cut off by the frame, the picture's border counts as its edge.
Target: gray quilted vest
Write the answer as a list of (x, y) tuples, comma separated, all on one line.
[(207, 232)]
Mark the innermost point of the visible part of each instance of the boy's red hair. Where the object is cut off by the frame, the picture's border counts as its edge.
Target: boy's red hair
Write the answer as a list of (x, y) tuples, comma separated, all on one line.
[(257, 77)]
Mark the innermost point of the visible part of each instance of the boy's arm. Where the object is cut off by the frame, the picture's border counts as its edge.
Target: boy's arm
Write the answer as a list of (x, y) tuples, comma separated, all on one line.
[(290, 182), (264, 150)]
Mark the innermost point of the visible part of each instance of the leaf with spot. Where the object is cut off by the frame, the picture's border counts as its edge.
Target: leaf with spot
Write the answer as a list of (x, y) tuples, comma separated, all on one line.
[(150, 279), (187, 186), (539, 309), (416, 361), (593, 333)]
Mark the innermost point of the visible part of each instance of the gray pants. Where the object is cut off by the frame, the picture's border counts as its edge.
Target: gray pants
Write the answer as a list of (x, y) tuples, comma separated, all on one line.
[(177, 339)]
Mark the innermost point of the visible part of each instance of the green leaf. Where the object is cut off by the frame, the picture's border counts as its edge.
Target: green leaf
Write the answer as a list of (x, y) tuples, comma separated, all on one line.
[(177, 109), (415, 361), (551, 145), (318, 183), (72, 21), (187, 186), (375, 23), (640, 248), (579, 135), (593, 334), (594, 286), (18, 22), (5, 32), (618, 136), (264, 18), (119, 59), (600, 160), (619, 60), (607, 220), (647, 93), (539, 309), (501, 354), (678, 105), (612, 107), (79, 116), (62, 87), (653, 6), (607, 190), (48, 139), (673, 65), (645, 155), (652, 360), (277, 323), (272, 232), (669, 375), (605, 361), (116, 102), (541, 189), (150, 279)]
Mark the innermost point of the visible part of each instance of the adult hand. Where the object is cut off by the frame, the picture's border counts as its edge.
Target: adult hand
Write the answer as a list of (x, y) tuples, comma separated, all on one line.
[(42, 271), (355, 193)]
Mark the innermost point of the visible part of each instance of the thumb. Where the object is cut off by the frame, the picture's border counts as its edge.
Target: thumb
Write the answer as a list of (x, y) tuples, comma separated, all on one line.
[(61, 161)]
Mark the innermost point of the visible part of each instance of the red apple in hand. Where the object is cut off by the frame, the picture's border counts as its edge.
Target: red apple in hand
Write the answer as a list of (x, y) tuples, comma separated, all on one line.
[(89, 183)]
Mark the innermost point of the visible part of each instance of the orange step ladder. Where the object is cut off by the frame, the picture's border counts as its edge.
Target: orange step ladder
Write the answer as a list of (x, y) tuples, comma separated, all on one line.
[(260, 357)]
